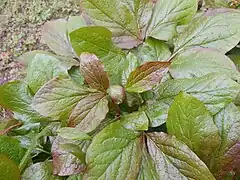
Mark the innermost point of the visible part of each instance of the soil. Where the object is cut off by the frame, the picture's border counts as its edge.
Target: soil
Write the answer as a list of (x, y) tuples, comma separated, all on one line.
[(20, 29)]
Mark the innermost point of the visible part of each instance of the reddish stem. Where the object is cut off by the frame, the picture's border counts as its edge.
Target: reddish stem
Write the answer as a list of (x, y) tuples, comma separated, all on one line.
[(5, 131), (117, 109)]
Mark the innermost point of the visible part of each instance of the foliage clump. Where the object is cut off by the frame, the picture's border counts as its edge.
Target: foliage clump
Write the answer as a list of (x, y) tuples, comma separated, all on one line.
[(135, 90)]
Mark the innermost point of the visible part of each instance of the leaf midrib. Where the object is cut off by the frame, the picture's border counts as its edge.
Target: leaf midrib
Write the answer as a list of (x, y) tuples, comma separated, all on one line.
[(117, 53), (109, 16), (167, 156)]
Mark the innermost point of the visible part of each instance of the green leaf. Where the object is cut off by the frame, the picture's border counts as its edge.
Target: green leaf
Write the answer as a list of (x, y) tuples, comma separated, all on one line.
[(40, 171), (47, 131), (190, 122), (75, 22), (76, 76), (235, 58), (28, 128), (8, 169), (137, 121), (27, 140), (154, 50), (73, 134), (146, 76), (42, 69), (56, 37), (215, 28), (75, 177), (157, 111), (197, 62), (134, 99), (97, 40), (132, 63), (115, 153), (17, 90), (213, 90), (12, 148), (228, 123), (27, 58), (126, 19), (167, 15), (16, 96), (237, 100), (174, 160), (148, 169), (62, 99), (157, 107), (93, 72), (65, 163)]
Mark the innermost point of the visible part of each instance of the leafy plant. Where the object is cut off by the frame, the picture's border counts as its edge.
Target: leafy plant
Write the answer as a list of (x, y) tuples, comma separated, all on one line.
[(222, 3), (135, 90)]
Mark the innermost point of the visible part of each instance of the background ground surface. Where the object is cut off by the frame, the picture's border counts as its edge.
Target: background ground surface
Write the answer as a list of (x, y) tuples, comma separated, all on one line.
[(20, 28)]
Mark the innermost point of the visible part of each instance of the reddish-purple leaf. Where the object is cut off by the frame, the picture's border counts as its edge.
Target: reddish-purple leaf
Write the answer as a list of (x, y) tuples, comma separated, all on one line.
[(93, 72), (227, 158), (229, 161), (64, 163), (89, 112), (146, 76), (175, 160)]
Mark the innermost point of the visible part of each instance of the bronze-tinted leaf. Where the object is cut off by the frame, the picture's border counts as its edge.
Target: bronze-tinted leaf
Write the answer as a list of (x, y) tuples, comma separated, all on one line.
[(65, 163), (174, 160), (227, 158), (190, 121), (57, 98), (62, 99), (89, 112), (146, 76), (98, 40), (93, 71), (229, 161), (54, 34)]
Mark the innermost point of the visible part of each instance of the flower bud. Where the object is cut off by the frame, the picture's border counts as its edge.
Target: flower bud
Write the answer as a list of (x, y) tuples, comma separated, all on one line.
[(117, 93)]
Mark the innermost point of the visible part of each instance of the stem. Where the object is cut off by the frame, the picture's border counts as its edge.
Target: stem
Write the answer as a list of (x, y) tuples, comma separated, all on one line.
[(117, 109), (172, 57), (43, 151), (10, 128), (27, 155)]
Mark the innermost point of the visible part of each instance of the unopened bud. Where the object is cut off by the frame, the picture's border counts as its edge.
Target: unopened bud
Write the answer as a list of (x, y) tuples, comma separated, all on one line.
[(117, 93)]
